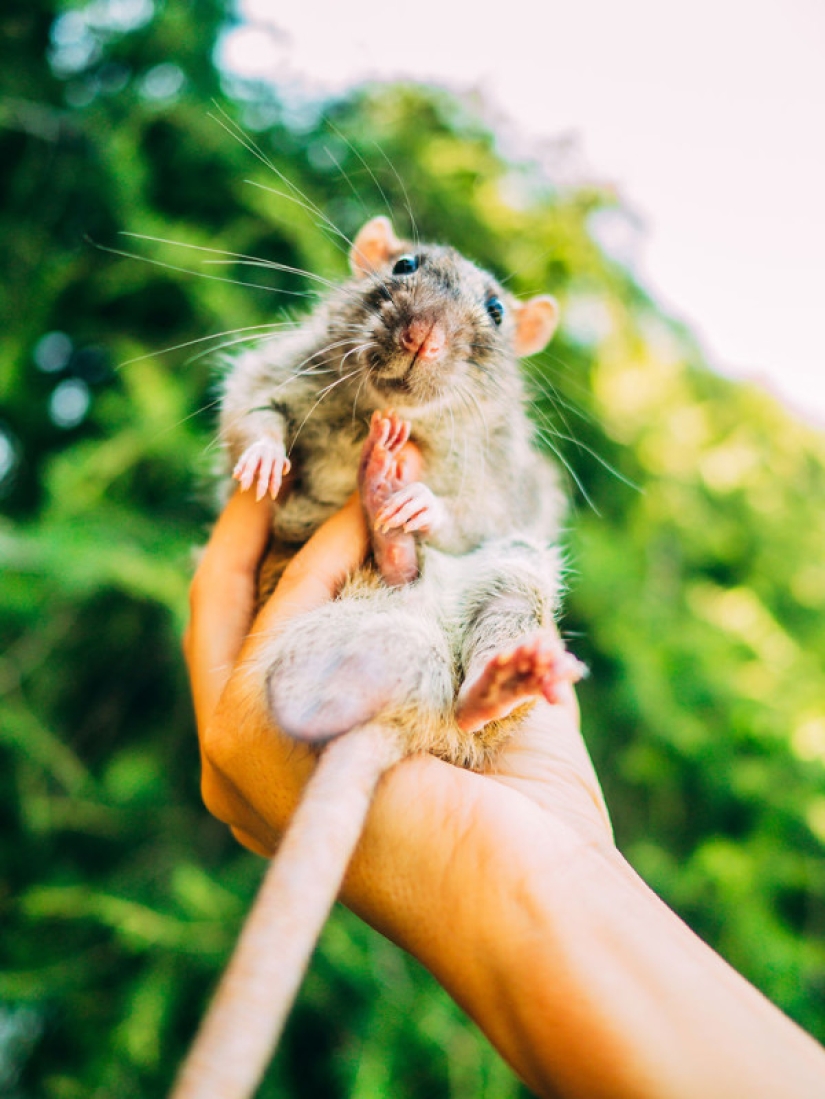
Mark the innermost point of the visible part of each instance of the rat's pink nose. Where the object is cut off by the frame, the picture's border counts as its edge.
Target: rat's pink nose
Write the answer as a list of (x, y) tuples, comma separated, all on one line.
[(424, 338)]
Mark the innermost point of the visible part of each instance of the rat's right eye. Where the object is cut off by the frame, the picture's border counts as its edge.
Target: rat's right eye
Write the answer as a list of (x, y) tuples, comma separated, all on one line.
[(406, 265)]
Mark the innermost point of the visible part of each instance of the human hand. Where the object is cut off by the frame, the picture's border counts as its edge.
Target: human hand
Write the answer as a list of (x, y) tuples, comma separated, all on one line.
[(506, 885), (253, 777), (545, 762), (221, 644)]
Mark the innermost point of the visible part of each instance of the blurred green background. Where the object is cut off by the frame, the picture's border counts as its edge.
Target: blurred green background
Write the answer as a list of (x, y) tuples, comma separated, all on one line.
[(696, 538)]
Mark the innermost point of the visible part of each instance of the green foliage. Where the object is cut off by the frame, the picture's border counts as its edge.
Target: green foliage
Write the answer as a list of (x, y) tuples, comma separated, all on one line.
[(696, 596)]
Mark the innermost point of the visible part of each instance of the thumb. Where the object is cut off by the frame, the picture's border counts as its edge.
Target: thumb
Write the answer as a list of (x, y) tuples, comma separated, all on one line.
[(547, 762)]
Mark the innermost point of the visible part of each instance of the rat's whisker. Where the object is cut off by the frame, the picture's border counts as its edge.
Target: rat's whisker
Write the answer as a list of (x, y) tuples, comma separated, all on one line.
[(240, 258)]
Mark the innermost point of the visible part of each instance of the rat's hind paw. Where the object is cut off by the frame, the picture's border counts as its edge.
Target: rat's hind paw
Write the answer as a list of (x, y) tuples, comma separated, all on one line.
[(380, 477), (380, 470), (534, 668)]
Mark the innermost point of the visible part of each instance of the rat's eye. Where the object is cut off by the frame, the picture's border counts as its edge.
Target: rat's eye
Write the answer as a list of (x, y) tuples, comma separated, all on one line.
[(406, 265), (495, 309)]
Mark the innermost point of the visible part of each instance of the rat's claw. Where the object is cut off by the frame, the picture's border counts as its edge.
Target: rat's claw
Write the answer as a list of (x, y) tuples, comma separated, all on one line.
[(399, 431), (263, 462), (387, 429), (268, 481), (243, 474), (264, 476), (572, 669)]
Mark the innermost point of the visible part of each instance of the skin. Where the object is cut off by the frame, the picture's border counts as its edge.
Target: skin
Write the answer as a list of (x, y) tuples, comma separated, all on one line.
[(508, 885)]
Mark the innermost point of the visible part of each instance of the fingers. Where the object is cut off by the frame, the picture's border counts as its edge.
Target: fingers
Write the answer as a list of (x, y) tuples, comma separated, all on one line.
[(238, 538), (547, 761), (316, 573), (222, 599), (252, 843), (223, 593)]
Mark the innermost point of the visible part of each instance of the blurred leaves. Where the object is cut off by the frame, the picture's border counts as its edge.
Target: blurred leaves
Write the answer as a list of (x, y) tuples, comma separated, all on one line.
[(695, 545)]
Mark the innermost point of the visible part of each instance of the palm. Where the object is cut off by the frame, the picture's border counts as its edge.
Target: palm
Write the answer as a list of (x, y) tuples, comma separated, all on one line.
[(546, 761)]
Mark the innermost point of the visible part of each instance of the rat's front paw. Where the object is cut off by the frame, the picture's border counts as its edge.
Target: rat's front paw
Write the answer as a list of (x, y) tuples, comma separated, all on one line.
[(415, 509), (264, 462)]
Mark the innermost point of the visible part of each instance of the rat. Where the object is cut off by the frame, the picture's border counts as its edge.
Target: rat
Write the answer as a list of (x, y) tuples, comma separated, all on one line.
[(447, 632), (422, 330)]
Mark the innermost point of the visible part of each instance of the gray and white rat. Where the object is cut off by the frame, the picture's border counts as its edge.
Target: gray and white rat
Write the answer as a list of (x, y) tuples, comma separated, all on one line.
[(439, 644), (421, 330)]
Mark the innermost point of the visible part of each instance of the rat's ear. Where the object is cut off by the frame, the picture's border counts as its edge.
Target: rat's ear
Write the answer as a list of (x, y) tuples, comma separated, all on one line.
[(372, 247), (536, 322)]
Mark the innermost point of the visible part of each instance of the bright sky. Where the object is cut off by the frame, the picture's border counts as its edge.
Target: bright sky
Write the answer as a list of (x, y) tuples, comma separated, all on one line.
[(709, 117)]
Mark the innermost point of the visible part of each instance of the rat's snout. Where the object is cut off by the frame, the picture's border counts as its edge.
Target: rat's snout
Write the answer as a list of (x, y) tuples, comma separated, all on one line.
[(425, 338)]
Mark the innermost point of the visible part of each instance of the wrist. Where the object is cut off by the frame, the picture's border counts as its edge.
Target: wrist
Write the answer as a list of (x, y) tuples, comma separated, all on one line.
[(460, 879)]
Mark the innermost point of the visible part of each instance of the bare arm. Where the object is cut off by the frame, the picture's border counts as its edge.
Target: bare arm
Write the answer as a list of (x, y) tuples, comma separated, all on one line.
[(507, 886)]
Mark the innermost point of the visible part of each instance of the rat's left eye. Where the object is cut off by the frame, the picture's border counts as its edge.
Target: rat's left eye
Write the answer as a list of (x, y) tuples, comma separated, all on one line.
[(495, 310), (406, 265)]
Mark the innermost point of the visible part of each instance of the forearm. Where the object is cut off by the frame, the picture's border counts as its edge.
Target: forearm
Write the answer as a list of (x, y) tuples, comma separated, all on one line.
[(585, 982), (601, 991)]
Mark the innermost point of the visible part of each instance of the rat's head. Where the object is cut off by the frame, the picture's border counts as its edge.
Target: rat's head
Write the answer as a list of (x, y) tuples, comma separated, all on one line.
[(431, 327)]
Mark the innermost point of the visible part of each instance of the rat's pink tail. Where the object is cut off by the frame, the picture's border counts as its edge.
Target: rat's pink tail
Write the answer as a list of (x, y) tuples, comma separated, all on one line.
[(252, 1001)]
